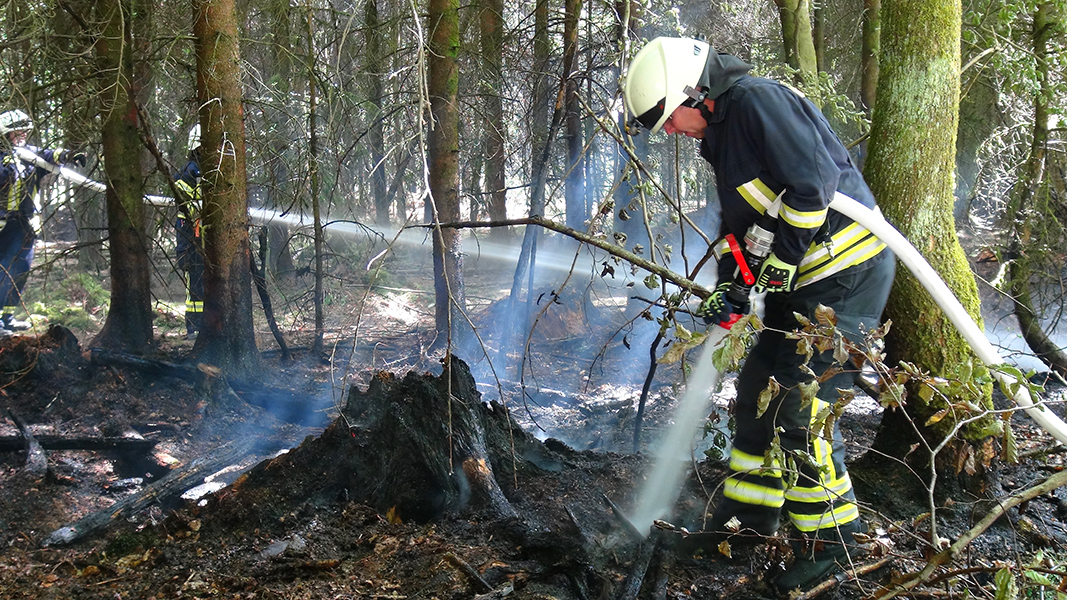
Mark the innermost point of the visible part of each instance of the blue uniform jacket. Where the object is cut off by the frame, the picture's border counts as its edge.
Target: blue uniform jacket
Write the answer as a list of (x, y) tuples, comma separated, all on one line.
[(768, 144)]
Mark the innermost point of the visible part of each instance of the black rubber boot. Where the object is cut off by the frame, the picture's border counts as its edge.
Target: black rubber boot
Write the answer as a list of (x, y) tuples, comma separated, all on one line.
[(10, 323), (818, 559)]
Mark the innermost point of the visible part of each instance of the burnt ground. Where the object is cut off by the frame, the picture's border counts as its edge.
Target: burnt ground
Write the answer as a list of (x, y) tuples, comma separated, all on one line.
[(296, 526)]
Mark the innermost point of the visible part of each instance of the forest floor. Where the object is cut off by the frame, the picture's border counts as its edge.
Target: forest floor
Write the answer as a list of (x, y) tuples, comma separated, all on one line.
[(284, 532)]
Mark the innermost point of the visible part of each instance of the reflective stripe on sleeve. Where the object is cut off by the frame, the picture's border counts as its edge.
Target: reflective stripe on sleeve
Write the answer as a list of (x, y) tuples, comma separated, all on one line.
[(742, 462), (758, 195), (801, 219)]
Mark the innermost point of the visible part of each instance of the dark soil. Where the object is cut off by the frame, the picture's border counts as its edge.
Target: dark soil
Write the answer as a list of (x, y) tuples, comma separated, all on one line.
[(306, 524)]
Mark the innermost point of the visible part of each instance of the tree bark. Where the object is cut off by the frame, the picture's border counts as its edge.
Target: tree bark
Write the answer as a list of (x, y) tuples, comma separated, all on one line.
[(574, 189), (910, 169), (129, 319), (1029, 210), (870, 48), (375, 72), (492, 30), (227, 337), (443, 19), (798, 45)]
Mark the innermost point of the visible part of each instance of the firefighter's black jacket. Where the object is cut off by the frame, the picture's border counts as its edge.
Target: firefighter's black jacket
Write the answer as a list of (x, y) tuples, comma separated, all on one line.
[(766, 142)]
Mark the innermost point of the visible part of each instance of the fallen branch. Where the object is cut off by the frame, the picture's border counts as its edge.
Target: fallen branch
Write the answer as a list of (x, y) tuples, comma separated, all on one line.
[(912, 580), (632, 586), (173, 484), (847, 575), (479, 582), (36, 459), (621, 516), (14, 443)]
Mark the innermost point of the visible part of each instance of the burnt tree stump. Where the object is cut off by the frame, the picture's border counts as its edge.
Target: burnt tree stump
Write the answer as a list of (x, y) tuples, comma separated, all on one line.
[(422, 446)]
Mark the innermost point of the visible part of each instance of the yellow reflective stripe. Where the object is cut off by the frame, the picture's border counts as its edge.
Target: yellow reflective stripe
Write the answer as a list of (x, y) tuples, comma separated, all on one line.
[(820, 446), (812, 219), (193, 192), (194, 306), (742, 462), (722, 248), (758, 195), (14, 193), (753, 493), (857, 254), (830, 491), (841, 515)]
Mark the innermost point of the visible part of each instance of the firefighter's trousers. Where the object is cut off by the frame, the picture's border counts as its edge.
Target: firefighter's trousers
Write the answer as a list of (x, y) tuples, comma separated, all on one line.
[(821, 503)]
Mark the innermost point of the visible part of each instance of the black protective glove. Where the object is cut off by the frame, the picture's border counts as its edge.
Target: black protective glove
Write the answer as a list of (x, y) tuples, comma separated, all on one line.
[(73, 157), (718, 308)]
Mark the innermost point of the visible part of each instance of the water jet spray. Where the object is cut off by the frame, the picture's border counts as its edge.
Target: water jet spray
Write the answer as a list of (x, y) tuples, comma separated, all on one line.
[(663, 486)]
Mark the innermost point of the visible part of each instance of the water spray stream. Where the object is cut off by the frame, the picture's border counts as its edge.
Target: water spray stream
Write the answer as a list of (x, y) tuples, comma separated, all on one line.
[(664, 482), (702, 382)]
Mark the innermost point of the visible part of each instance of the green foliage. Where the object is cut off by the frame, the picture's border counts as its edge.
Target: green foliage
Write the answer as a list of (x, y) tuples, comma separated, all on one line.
[(1044, 577), (75, 302), (1005, 585), (130, 542)]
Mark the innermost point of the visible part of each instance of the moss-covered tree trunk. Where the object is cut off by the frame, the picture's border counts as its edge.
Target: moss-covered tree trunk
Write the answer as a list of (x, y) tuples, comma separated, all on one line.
[(443, 19), (1029, 210), (910, 168), (870, 48), (798, 45), (227, 337), (129, 319)]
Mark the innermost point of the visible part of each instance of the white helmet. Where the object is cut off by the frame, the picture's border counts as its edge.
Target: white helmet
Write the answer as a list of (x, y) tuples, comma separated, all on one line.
[(194, 137), (663, 76), (15, 120)]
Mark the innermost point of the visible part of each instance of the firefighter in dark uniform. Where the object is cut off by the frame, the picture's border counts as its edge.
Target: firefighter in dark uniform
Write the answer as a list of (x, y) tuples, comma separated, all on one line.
[(189, 245), (776, 159), (20, 178)]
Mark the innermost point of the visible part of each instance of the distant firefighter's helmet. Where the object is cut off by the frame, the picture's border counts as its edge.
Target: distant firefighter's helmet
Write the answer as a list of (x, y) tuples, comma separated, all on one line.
[(194, 137), (15, 120)]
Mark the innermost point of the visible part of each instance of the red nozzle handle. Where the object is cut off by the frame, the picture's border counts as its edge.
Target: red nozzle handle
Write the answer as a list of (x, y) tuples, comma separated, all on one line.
[(734, 317), (739, 255)]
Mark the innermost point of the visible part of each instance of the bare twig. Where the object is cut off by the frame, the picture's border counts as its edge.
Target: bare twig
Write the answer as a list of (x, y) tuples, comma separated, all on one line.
[(603, 244), (909, 582), (479, 582), (842, 577)]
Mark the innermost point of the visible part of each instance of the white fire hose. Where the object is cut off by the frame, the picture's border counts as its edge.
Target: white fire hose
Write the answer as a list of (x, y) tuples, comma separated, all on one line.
[(944, 297), (871, 219)]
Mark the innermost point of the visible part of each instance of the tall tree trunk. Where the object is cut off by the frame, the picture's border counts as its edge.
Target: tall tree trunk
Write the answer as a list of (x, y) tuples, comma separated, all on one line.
[(492, 30), (279, 192), (227, 338), (375, 72), (443, 19), (129, 319), (910, 169), (88, 208), (1029, 211), (798, 45), (574, 191), (870, 49), (313, 176)]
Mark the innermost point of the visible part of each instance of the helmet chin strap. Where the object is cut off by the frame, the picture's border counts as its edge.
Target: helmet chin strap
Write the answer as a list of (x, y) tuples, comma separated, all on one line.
[(697, 96)]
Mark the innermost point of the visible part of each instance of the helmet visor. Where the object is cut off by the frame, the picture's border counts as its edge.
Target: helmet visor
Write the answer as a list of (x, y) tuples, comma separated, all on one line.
[(650, 117)]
